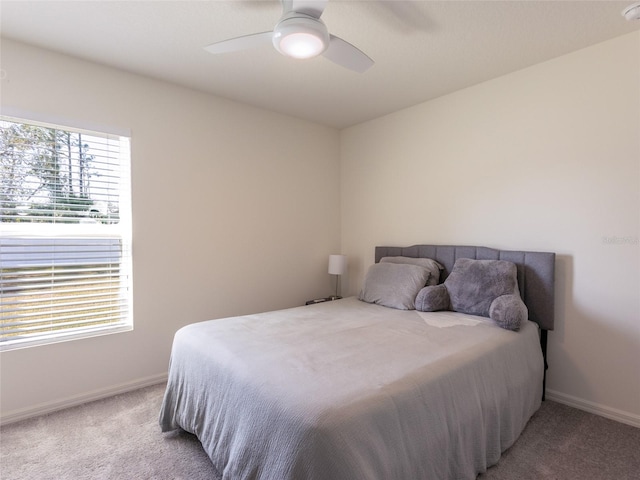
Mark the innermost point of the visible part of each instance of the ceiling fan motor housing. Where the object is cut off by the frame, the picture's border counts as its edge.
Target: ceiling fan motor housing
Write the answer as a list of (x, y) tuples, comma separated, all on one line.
[(299, 35)]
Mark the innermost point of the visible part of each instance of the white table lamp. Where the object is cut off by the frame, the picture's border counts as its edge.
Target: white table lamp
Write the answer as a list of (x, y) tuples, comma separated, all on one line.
[(337, 267)]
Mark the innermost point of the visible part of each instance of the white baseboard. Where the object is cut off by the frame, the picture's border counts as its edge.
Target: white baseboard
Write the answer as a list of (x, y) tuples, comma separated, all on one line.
[(591, 407), (49, 407)]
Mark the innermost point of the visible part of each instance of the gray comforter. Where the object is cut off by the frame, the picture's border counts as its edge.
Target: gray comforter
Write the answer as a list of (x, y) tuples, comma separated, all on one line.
[(347, 390)]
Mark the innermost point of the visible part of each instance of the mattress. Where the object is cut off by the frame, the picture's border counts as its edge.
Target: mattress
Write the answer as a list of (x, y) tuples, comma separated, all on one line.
[(347, 390)]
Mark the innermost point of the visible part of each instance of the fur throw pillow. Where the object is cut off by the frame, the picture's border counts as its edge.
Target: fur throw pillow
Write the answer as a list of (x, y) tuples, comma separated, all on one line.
[(488, 288)]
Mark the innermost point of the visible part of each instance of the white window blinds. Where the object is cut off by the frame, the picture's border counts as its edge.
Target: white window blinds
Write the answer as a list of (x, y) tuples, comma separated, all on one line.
[(65, 256)]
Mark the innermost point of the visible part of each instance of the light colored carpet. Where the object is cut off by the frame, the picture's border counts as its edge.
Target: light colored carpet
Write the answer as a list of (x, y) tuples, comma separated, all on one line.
[(114, 438), (119, 438)]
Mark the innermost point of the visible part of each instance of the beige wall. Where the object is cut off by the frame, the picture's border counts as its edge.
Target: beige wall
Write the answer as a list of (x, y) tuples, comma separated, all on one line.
[(235, 210), (548, 159)]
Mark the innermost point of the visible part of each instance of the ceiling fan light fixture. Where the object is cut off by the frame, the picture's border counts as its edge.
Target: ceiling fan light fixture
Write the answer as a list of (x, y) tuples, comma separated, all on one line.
[(301, 45), (301, 37)]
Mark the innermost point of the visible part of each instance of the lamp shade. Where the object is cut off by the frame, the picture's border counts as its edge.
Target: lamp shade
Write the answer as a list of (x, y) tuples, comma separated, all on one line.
[(337, 264)]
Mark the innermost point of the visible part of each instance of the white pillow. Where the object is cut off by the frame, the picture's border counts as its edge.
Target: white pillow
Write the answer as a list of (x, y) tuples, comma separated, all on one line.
[(434, 267), (393, 285)]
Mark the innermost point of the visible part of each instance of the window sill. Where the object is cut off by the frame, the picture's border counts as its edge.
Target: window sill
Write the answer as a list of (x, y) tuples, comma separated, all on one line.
[(9, 345)]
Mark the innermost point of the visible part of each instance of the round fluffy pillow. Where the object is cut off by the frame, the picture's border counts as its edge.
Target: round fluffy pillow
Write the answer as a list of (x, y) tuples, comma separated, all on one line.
[(432, 299), (508, 311)]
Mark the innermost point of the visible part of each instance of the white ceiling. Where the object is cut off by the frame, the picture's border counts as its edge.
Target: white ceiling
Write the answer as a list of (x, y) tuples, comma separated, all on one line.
[(422, 49)]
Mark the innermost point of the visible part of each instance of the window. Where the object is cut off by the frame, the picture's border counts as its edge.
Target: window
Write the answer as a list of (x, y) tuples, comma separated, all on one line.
[(65, 233)]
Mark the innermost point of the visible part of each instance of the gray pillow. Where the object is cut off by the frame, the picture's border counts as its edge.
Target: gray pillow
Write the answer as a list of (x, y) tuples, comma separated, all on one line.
[(393, 285), (434, 267), (509, 311), (474, 285), (432, 298)]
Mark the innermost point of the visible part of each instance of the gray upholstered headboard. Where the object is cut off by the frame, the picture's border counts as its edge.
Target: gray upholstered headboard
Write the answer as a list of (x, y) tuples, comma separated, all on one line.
[(536, 272)]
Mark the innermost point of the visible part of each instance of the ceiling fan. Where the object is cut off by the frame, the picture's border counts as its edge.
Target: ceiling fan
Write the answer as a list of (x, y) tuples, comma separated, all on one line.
[(301, 34)]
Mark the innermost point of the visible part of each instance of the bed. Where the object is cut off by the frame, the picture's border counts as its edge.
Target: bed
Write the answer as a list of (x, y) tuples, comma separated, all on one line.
[(349, 390)]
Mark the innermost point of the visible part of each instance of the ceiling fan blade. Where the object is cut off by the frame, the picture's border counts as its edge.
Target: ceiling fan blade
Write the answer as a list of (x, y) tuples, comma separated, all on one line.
[(240, 43), (348, 56), (313, 8)]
